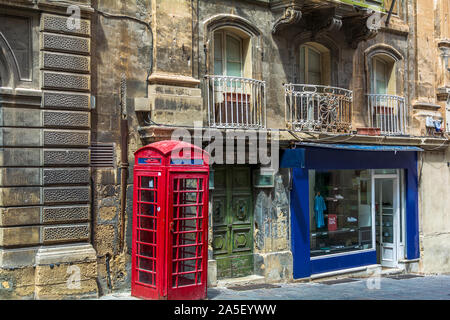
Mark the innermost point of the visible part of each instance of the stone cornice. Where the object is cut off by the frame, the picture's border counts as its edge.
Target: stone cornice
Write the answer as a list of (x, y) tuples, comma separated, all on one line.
[(57, 7), (426, 106), (173, 79), (156, 133)]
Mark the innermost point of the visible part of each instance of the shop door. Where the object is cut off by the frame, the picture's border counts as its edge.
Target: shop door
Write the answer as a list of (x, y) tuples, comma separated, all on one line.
[(187, 241), (387, 216), (232, 221)]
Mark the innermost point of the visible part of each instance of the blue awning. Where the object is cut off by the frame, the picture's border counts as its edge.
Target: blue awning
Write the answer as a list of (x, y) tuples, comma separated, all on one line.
[(302, 158), (359, 147), (293, 158)]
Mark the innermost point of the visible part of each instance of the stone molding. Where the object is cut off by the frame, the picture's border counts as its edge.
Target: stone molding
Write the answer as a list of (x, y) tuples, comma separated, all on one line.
[(65, 254), (292, 15), (173, 79)]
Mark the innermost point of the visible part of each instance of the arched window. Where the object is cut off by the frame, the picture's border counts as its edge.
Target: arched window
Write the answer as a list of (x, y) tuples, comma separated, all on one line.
[(314, 64), (232, 53)]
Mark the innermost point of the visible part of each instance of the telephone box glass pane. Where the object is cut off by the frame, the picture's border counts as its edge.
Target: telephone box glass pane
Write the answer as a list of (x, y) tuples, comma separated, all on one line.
[(187, 245), (146, 230)]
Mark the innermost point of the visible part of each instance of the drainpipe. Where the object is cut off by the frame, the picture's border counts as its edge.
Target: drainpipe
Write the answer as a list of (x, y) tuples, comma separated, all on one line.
[(390, 12), (123, 162)]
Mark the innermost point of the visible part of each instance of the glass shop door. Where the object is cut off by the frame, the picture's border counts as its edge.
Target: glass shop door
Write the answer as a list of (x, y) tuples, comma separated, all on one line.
[(387, 219)]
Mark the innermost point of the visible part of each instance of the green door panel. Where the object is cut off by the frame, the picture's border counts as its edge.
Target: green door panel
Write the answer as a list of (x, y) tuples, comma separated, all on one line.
[(232, 221)]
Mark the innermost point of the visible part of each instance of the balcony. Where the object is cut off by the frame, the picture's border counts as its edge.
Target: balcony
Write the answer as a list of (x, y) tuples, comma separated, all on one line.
[(318, 108), (235, 102), (387, 112)]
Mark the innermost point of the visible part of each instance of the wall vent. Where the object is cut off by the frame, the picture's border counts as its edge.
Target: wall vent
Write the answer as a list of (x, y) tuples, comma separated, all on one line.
[(102, 155)]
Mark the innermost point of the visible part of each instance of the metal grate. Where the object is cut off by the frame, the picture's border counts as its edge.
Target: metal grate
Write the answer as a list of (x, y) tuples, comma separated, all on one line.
[(102, 155), (254, 287)]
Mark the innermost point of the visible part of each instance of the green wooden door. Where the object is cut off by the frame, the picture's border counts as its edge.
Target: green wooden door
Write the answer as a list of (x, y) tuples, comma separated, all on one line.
[(232, 221)]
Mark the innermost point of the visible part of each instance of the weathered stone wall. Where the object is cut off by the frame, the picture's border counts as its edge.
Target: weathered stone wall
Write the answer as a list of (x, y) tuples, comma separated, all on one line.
[(431, 80), (434, 223), (123, 60), (433, 87), (272, 236)]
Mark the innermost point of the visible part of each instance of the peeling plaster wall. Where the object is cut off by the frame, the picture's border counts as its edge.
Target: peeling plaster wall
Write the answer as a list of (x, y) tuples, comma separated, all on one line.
[(434, 204), (273, 258), (122, 47)]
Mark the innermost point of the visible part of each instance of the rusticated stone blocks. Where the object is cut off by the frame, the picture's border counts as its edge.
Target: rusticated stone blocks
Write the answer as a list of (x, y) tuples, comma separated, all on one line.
[(66, 62), (20, 216), (66, 138), (66, 157), (59, 24), (65, 233), (19, 236), (10, 177), (74, 213), (57, 42), (64, 100), (66, 81), (67, 195), (66, 176), (66, 119), (12, 157)]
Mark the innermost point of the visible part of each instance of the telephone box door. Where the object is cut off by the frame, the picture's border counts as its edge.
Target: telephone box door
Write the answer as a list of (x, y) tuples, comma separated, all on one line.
[(187, 238), (148, 255)]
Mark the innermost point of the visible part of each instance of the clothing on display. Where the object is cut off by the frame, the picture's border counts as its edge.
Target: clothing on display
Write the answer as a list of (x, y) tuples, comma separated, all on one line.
[(319, 208)]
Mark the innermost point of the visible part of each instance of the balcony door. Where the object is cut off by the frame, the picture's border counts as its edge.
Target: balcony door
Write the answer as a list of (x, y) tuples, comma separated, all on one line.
[(228, 54), (380, 76), (310, 65), (232, 94)]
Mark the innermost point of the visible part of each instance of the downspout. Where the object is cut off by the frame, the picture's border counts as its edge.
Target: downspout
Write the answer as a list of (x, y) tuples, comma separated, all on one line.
[(390, 13), (123, 161)]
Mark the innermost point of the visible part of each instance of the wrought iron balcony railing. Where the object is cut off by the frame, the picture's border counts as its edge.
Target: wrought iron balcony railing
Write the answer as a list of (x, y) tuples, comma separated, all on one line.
[(235, 102), (388, 112), (318, 108)]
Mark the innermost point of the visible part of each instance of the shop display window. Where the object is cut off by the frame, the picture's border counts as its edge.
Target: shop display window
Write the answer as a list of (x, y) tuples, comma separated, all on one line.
[(340, 211)]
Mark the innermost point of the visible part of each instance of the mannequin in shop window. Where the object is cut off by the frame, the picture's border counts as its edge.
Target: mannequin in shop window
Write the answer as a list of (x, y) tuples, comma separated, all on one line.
[(319, 208)]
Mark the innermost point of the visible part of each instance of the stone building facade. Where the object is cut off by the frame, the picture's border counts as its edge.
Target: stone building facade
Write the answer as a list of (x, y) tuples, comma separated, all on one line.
[(78, 96)]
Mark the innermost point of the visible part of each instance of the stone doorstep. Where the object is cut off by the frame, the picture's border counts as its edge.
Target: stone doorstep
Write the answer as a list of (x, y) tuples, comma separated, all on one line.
[(360, 272), (243, 281)]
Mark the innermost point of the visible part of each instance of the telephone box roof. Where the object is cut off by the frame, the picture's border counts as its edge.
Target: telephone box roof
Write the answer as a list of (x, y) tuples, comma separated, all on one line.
[(167, 146)]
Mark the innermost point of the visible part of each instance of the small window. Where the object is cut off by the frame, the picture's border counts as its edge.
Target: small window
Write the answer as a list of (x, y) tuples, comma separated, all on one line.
[(228, 59)]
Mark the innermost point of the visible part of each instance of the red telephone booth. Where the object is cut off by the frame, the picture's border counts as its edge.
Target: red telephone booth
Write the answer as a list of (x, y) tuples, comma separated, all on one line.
[(170, 221)]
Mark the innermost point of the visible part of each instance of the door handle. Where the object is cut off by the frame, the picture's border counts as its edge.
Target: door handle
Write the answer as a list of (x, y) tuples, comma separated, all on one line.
[(171, 227)]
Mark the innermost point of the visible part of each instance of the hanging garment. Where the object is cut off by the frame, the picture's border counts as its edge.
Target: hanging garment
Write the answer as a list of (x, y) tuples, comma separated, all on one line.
[(319, 208), (437, 125)]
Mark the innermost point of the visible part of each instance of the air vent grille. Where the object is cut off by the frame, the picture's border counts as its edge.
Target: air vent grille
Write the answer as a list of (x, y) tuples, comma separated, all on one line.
[(102, 155)]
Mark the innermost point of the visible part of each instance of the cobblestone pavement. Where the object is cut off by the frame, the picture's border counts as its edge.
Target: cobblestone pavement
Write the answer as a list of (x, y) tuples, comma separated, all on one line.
[(418, 288)]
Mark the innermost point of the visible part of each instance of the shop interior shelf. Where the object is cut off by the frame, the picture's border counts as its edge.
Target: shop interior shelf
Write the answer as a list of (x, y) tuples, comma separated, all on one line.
[(324, 233), (329, 250)]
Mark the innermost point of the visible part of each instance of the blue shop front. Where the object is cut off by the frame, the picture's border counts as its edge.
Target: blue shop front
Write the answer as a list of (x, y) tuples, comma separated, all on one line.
[(352, 206)]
